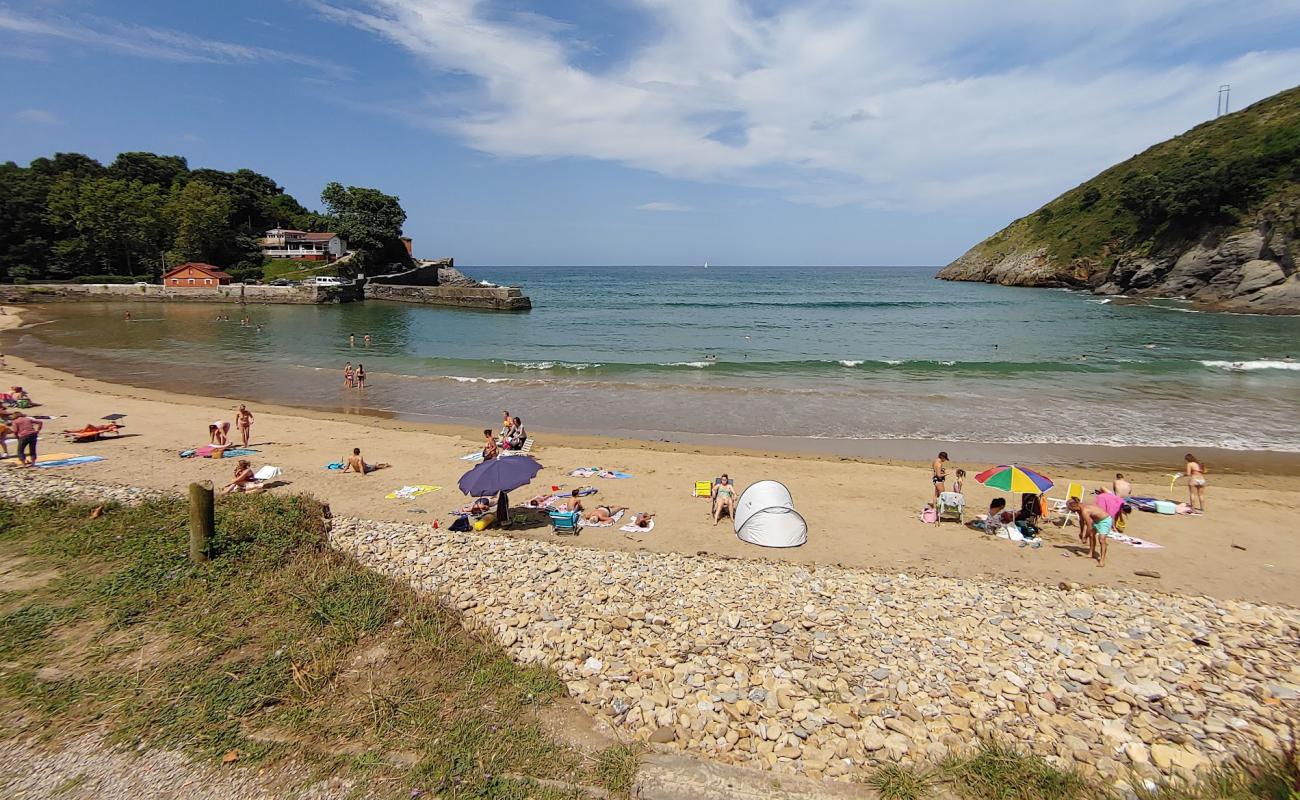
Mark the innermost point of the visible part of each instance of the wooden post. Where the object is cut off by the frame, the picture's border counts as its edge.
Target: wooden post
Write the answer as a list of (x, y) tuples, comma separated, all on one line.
[(201, 520)]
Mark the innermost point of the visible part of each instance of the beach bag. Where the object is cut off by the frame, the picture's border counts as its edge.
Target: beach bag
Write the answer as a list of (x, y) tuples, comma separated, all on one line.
[(929, 515), (461, 524)]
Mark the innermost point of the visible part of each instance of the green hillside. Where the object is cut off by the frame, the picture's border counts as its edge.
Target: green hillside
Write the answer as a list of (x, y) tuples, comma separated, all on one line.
[(1235, 173)]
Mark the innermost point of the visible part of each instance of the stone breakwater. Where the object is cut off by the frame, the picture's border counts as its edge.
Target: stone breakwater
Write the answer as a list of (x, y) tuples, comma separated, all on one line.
[(829, 671)]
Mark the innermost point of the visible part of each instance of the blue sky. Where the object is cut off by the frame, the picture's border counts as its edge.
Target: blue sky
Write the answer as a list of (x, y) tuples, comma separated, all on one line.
[(646, 131)]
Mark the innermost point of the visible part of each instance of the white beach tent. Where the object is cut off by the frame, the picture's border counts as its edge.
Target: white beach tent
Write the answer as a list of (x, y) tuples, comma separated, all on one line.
[(765, 516)]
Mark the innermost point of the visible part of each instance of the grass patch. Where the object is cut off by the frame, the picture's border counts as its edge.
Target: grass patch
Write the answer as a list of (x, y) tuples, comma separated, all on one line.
[(295, 269), (616, 768), (277, 646), (998, 771), (899, 782), (1260, 776)]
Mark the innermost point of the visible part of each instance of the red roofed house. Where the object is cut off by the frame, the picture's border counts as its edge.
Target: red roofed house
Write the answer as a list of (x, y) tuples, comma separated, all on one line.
[(287, 243), (195, 275)]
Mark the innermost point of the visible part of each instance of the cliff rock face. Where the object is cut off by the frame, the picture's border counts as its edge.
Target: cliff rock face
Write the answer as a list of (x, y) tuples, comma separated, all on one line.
[(1211, 216), (1249, 270)]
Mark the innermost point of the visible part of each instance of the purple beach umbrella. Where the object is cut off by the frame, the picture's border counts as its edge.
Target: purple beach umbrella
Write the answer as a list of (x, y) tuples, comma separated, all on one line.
[(499, 475)]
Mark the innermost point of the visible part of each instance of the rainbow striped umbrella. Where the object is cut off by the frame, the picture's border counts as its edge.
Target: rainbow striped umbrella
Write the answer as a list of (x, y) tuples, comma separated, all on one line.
[(1013, 478)]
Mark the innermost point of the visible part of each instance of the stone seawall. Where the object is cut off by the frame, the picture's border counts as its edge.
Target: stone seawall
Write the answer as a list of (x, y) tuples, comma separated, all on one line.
[(234, 293), (498, 298)]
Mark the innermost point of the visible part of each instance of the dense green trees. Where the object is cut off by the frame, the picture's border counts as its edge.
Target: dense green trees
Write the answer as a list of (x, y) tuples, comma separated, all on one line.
[(70, 216)]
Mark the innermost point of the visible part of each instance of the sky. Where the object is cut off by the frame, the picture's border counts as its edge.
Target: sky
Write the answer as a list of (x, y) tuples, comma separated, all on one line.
[(592, 132)]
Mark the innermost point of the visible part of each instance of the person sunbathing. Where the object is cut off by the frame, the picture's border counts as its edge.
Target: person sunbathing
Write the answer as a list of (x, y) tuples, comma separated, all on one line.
[(602, 514), (480, 506), (244, 480), (724, 498), (643, 519), (358, 465)]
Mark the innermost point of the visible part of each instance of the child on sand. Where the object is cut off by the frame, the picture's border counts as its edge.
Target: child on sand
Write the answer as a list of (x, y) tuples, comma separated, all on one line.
[(956, 484)]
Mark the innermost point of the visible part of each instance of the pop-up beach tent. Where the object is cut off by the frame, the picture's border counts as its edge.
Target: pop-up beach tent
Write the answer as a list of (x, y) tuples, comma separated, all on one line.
[(765, 516)]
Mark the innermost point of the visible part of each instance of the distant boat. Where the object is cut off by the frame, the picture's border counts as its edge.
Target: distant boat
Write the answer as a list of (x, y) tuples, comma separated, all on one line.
[(706, 265)]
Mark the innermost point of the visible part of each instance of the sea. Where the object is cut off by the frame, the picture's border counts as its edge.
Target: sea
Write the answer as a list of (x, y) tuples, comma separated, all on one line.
[(794, 357)]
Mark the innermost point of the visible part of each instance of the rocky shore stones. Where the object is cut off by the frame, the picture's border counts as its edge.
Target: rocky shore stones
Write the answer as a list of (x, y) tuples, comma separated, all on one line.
[(788, 666)]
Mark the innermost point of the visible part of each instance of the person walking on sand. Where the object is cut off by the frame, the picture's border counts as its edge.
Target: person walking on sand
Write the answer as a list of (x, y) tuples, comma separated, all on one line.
[(1094, 527), (347, 375), (244, 421), (1195, 472), (361, 376), (27, 430), (940, 473)]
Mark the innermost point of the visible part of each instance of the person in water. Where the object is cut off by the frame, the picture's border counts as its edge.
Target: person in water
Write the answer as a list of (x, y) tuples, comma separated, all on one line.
[(347, 375), (361, 376)]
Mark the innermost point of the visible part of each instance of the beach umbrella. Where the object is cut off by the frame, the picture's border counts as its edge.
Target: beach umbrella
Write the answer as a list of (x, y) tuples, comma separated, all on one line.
[(499, 475), (1013, 478)]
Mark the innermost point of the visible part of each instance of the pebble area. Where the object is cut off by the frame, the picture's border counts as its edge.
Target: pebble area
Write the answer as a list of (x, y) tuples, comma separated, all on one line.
[(829, 672)]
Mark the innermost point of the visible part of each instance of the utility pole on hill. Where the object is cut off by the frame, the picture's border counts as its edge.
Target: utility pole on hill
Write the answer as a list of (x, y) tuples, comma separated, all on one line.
[(1225, 93)]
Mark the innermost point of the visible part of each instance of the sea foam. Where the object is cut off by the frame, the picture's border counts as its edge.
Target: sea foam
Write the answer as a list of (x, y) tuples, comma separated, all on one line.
[(1251, 366)]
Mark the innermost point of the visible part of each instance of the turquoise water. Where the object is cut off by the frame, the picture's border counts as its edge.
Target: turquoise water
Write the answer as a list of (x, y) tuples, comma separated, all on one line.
[(845, 353)]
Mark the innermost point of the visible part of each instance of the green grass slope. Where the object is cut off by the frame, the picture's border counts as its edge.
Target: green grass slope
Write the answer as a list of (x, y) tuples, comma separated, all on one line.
[(1233, 171)]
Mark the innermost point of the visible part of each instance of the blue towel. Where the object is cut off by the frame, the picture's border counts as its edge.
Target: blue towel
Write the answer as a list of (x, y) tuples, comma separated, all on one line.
[(335, 465), (70, 462)]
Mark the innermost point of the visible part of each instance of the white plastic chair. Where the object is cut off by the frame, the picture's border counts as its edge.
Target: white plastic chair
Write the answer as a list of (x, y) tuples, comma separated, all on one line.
[(1056, 505)]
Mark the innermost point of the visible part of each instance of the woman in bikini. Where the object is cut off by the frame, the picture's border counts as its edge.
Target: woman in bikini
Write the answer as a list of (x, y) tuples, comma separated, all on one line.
[(218, 433), (244, 480), (347, 375), (244, 421), (1195, 472), (361, 377), (724, 497)]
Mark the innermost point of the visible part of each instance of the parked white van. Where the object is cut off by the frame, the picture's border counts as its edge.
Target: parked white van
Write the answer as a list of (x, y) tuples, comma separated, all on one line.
[(325, 280)]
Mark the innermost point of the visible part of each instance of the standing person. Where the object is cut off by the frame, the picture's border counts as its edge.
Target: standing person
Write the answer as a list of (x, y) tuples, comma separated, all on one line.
[(27, 430), (361, 376), (1094, 527), (940, 473), (489, 445), (1121, 486), (5, 431), (347, 375), (959, 480), (244, 421), (1195, 472)]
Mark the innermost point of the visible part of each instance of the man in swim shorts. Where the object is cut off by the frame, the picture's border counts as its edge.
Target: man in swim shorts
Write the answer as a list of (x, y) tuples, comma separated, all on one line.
[(1094, 528)]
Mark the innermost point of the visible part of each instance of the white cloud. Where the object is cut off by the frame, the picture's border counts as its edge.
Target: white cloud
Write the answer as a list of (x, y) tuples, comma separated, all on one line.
[(662, 206), (149, 42), (911, 104), (38, 116)]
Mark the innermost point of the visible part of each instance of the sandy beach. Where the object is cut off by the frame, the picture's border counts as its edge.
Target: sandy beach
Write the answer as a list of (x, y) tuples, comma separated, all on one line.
[(860, 513)]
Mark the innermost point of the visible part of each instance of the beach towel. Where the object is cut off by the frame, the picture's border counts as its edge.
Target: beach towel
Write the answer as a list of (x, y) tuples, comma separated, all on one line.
[(617, 516), (597, 472), (68, 462), (335, 465), (55, 457), (1133, 541), (267, 473), (632, 528), (411, 492), (207, 450)]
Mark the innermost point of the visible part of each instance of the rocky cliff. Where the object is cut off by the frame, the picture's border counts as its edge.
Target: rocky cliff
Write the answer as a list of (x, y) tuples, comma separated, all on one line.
[(1211, 216)]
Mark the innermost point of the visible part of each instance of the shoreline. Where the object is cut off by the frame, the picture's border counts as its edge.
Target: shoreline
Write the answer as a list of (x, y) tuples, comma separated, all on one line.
[(888, 451), (861, 512)]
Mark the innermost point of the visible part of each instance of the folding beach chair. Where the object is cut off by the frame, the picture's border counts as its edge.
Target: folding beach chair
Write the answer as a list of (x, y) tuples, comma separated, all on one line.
[(952, 505), (563, 522), (1056, 505), (703, 489)]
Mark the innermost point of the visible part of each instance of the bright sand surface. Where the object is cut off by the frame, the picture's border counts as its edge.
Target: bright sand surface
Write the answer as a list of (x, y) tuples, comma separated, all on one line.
[(860, 513)]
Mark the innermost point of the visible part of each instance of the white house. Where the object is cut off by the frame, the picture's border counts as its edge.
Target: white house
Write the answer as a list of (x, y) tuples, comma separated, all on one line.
[(287, 243)]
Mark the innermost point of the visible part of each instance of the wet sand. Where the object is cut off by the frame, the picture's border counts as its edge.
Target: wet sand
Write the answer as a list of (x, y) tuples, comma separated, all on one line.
[(860, 512)]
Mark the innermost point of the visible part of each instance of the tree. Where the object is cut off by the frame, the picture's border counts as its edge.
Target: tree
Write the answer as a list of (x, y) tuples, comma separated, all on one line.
[(200, 215), (113, 226), (149, 168), (370, 221)]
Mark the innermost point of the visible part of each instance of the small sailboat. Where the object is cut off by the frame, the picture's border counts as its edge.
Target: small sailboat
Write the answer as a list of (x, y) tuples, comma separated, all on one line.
[(706, 265)]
